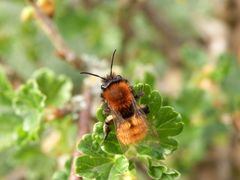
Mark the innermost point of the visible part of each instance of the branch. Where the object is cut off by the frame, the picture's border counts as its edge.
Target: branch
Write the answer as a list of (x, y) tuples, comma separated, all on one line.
[(171, 39), (53, 34), (231, 17), (90, 4), (157, 20), (126, 11), (83, 128)]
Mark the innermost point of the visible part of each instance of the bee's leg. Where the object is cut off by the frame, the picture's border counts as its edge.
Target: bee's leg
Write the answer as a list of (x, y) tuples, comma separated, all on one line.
[(140, 94), (145, 109), (106, 127), (137, 96), (106, 109)]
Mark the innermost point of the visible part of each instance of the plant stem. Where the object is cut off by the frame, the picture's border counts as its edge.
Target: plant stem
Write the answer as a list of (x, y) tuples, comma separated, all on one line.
[(83, 128), (55, 37), (171, 39)]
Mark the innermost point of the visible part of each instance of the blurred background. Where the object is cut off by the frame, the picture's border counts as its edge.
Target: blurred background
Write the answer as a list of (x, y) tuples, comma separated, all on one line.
[(189, 50)]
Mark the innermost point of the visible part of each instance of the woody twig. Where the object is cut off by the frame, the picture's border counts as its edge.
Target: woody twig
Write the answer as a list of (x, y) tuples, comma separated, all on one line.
[(83, 128), (55, 37), (67, 55), (126, 11), (171, 39)]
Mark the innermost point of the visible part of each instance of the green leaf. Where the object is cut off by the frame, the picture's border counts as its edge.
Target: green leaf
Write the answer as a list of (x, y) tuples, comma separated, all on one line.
[(6, 91), (29, 104), (150, 97), (4, 83), (100, 115), (92, 144), (168, 122), (63, 174), (193, 57), (169, 145), (89, 147), (119, 167), (60, 175), (103, 167), (197, 100), (157, 170), (111, 144), (154, 105), (149, 79), (155, 151), (57, 89), (9, 121), (224, 65), (93, 166), (146, 90), (164, 123), (97, 134)]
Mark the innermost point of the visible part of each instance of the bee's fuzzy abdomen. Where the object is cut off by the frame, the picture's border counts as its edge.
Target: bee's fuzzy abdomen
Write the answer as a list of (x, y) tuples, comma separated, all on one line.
[(131, 130)]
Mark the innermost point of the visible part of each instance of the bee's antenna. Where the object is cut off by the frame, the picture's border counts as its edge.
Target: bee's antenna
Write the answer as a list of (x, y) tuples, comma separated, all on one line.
[(92, 75), (112, 62)]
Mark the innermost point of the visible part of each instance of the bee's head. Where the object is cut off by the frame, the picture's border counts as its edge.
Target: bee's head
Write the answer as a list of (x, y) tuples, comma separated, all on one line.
[(109, 79)]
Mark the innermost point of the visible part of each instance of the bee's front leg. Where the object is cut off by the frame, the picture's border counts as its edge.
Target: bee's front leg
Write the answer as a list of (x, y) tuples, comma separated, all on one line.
[(106, 109), (145, 109), (106, 126), (137, 96)]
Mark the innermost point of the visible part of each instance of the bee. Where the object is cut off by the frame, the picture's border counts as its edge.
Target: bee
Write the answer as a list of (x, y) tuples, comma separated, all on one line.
[(120, 101)]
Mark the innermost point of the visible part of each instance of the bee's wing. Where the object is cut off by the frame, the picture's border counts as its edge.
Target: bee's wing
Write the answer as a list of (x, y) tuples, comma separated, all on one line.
[(134, 129), (130, 130), (118, 120), (152, 134)]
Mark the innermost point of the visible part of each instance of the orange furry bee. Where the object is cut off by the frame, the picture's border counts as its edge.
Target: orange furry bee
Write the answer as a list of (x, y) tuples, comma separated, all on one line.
[(120, 101)]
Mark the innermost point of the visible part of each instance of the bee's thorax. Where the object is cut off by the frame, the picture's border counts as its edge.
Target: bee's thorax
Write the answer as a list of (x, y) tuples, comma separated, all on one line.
[(118, 96)]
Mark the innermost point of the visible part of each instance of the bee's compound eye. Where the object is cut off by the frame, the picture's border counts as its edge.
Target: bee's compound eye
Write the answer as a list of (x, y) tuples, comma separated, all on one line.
[(102, 87)]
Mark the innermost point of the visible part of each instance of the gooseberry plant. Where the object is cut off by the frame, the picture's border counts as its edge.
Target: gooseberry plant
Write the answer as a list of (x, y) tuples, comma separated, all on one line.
[(108, 160), (23, 118), (23, 110)]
